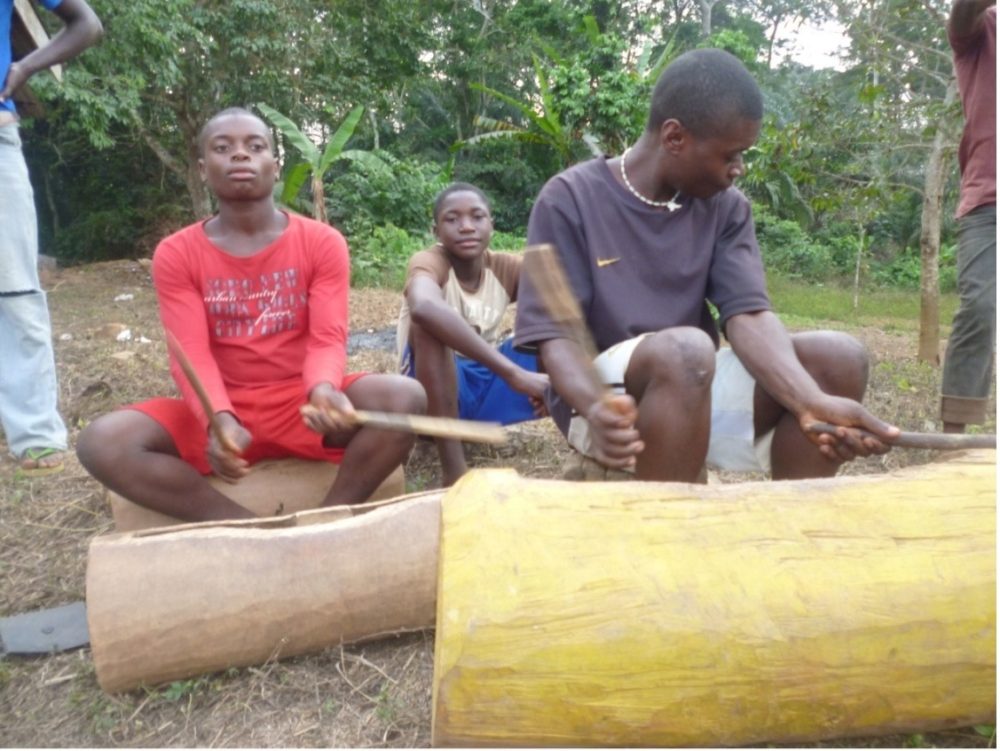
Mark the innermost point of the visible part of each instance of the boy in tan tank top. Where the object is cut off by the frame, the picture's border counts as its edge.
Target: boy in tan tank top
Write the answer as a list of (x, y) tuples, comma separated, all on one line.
[(449, 331)]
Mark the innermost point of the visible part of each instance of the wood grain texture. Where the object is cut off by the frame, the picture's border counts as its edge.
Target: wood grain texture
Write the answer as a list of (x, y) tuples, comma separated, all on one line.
[(274, 487), (666, 614), (443, 427), (173, 603)]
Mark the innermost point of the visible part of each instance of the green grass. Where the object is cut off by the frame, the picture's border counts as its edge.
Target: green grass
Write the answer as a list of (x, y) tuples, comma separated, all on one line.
[(799, 303)]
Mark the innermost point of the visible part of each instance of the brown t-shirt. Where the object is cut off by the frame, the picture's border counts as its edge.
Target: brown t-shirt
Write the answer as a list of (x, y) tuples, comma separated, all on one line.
[(976, 69), (482, 308), (637, 269)]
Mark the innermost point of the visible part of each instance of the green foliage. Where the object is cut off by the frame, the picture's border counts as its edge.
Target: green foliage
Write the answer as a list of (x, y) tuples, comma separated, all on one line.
[(316, 162), (182, 689), (787, 248), (379, 257), (509, 174), (542, 121), (986, 731), (903, 270), (386, 190), (529, 86), (739, 42), (507, 241)]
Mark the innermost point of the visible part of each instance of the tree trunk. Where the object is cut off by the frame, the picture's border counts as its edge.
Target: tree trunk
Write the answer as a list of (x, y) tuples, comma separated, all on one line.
[(319, 199), (857, 265), (665, 614), (706, 16), (201, 200), (935, 177)]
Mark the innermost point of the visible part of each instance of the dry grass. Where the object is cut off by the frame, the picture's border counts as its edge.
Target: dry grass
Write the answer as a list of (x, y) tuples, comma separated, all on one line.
[(364, 695)]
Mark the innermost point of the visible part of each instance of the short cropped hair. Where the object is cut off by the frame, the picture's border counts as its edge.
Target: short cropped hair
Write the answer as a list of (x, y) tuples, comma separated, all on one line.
[(458, 188), (705, 90), (229, 112)]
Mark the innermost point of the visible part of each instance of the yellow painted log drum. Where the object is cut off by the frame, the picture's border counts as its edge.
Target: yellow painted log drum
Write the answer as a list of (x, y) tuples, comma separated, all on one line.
[(663, 614), (170, 603)]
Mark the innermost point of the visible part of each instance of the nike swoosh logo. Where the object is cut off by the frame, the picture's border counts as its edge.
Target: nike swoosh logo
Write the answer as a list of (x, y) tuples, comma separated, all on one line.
[(602, 262)]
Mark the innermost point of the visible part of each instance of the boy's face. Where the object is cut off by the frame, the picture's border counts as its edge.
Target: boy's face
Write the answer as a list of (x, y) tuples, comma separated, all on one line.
[(238, 161), (463, 225), (710, 165)]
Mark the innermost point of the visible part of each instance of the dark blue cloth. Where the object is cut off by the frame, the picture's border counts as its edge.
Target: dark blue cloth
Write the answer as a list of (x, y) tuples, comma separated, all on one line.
[(482, 394)]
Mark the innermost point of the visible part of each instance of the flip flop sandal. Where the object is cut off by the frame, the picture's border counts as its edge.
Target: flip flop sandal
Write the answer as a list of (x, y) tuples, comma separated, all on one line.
[(36, 462)]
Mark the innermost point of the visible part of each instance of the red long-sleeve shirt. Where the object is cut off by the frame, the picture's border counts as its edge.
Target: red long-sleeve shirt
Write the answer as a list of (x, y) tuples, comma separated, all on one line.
[(278, 315)]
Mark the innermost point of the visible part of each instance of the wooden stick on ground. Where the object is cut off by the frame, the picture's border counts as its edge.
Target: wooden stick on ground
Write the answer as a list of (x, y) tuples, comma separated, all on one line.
[(199, 389), (933, 441), (441, 427)]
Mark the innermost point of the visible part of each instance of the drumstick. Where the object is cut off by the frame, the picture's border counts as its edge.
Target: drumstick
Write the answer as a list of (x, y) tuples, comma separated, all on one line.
[(199, 389), (933, 441), (441, 427), (542, 266)]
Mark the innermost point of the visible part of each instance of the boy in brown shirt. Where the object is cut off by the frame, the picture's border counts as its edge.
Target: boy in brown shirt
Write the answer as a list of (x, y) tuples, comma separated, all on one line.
[(449, 333)]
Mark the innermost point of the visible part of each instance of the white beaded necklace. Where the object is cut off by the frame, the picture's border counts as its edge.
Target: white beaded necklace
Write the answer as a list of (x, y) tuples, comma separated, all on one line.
[(672, 204)]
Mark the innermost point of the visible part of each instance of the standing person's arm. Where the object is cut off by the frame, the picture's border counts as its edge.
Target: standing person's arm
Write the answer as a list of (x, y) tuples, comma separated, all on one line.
[(966, 17), (764, 347), (81, 29)]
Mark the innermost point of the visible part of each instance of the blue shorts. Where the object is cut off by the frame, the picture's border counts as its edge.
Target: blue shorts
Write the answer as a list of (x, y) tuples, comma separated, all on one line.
[(482, 394)]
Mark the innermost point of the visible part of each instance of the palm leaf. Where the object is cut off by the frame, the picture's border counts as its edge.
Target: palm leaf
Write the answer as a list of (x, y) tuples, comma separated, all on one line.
[(340, 138), (292, 134), (294, 180)]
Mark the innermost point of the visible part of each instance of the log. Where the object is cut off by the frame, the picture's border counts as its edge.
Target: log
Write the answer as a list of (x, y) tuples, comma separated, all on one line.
[(171, 603), (273, 488), (666, 614)]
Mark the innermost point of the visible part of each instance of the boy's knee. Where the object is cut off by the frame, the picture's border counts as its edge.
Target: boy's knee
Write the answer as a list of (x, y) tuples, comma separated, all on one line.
[(685, 355), (838, 361), (96, 444), (405, 395)]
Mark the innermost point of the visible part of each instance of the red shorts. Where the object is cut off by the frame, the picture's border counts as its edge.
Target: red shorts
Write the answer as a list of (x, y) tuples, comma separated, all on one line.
[(270, 412)]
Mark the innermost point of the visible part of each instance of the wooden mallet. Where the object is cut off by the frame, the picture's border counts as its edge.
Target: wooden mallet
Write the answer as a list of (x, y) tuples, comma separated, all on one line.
[(440, 427), (932, 441), (542, 266), (199, 389)]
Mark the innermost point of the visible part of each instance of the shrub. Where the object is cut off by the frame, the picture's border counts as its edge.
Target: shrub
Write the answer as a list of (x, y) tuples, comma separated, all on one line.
[(904, 270), (400, 194), (379, 255), (785, 247), (504, 241)]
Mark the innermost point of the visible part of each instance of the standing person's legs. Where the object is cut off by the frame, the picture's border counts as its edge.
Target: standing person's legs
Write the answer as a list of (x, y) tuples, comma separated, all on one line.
[(28, 389), (968, 360)]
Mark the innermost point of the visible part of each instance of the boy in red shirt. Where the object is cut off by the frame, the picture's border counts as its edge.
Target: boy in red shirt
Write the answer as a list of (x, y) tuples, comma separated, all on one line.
[(257, 298)]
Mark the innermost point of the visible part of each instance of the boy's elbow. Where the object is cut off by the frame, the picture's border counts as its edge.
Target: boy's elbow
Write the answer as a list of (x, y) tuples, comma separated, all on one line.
[(87, 24), (95, 29), (420, 313)]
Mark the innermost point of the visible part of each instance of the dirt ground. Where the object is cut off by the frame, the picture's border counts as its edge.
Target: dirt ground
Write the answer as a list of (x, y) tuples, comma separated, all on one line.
[(377, 694)]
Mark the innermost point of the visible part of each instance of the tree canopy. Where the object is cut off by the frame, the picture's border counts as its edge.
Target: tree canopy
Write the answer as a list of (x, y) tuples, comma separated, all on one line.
[(503, 93)]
